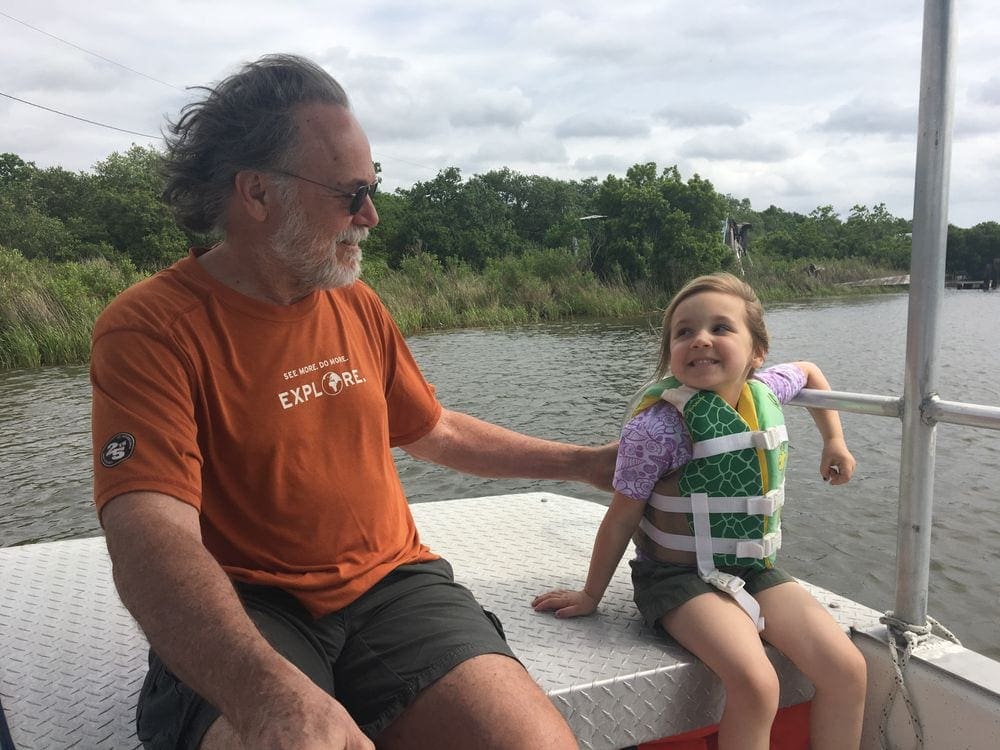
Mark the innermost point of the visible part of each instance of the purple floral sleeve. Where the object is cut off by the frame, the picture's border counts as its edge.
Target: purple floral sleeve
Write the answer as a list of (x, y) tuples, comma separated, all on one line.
[(785, 380), (655, 441)]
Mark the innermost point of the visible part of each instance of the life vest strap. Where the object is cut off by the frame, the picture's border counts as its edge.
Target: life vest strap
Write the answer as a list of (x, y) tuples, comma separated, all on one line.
[(756, 549), (768, 439), (732, 585), (755, 505), (727, 583)]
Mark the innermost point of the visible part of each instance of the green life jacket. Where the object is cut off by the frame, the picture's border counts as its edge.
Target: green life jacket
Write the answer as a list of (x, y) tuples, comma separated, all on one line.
[(732, 490)]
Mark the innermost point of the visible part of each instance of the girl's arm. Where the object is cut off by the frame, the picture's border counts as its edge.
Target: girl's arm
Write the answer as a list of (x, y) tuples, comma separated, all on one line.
[(836, 464), (613, 536)]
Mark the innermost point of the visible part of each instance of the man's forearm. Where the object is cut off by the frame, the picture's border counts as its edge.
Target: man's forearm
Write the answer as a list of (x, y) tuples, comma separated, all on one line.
[(473, 446)]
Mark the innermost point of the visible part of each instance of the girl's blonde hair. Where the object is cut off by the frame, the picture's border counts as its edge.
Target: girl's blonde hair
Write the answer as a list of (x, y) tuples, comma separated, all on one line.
[(725, 283)]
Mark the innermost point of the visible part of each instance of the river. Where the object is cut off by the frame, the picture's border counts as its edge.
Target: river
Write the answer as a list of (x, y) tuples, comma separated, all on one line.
[(571, 381)]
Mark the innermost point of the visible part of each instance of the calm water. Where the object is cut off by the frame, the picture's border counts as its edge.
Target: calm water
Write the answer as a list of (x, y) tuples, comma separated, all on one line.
[(571, 382)]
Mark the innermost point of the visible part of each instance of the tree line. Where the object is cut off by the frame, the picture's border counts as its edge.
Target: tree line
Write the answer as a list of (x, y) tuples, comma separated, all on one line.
[(648, 227)]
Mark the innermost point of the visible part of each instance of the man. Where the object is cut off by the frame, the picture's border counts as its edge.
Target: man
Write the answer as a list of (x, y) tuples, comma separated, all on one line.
[(245, 404)]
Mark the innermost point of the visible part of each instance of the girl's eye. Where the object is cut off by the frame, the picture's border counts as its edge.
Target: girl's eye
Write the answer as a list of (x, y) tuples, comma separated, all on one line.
[(681, 332), (721, 328)]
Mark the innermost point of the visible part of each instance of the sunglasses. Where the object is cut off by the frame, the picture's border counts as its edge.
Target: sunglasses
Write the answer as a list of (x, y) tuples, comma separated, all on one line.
[(357, 197)]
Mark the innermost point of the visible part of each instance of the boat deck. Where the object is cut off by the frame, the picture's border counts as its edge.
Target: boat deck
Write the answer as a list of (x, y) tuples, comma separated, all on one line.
[(72, 659)]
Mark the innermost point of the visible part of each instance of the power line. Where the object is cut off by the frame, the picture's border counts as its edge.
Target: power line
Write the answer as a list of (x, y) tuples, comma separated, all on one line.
[(131, 70), (137, 72), (404, 161), (81, 119), (82, 49)]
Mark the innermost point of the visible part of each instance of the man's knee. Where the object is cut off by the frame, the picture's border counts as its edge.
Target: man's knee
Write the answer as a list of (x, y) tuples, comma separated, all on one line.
[(488, 702), (220, 736)]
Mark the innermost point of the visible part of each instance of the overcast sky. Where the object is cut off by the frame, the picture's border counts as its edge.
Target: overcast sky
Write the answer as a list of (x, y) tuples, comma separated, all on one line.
[(791, 103)]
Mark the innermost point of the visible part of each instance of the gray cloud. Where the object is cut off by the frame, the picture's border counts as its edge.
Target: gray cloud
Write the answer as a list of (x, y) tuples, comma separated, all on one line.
[(969, 123), (513, 148), (989, 92), (741, 147), (694, 114), (572, 34), (486, 108), (867, 116), (601, 165), (601, 125)]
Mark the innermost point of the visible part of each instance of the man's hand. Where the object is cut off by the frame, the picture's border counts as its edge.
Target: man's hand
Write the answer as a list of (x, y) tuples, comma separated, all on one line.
[(602, 466), (195, 622), (307, 719)]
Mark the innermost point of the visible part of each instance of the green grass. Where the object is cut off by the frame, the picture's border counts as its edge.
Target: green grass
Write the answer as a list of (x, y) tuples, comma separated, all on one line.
[(540, 285), (47, 310), (781, 280)]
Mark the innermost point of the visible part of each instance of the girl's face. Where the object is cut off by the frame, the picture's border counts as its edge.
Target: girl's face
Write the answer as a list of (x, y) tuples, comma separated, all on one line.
[(711, 348)]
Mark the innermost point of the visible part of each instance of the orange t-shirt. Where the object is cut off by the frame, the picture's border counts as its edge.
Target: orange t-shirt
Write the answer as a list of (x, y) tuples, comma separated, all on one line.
[(275, 422)]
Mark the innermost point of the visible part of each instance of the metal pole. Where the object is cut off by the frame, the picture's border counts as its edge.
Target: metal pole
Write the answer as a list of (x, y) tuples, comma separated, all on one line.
[(930, 234)]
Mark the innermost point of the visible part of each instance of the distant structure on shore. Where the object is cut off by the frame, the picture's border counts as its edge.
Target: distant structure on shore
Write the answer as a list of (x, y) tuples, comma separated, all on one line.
[(737, 238), (991, 275)]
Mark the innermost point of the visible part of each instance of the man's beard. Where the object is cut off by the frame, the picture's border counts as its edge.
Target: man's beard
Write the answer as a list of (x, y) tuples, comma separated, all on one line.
[(314, 261)]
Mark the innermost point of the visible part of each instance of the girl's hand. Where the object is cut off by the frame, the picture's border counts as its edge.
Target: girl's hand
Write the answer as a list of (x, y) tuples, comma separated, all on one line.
[(837, 465), (565, 603)]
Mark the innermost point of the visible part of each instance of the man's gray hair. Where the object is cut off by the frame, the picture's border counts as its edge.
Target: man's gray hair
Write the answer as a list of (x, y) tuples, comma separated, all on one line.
[(247, 121)]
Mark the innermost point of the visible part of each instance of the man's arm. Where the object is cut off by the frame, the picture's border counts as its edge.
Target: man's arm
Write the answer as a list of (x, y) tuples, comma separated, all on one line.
[(194, 620), (470, 445)]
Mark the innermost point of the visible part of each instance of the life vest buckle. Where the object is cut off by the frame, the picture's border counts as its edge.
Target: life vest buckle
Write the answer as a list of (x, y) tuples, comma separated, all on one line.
[(767, 504), (767, 440), (758, 549), (726, 582)]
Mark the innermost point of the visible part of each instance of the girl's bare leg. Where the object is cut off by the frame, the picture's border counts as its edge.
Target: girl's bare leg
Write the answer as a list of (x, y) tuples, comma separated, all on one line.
[(714, 628), (802, 629)]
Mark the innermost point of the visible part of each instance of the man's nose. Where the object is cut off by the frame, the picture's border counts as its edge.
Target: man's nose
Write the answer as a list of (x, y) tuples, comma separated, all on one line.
[(368, 215)]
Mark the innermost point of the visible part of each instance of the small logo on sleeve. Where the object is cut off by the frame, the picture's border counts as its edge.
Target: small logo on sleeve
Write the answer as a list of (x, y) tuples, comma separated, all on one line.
[(119, 448)]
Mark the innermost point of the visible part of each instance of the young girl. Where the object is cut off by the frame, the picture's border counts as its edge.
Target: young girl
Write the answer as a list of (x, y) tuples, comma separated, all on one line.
[(699, 486)]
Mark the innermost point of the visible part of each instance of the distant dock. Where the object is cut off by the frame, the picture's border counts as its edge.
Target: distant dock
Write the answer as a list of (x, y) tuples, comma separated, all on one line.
[(904, 281), (963, 284), (884, 281)]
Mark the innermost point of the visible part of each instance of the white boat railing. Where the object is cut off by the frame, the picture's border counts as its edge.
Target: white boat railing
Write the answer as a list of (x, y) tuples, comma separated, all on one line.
[(921, 408), (932, 410), (927, 261)]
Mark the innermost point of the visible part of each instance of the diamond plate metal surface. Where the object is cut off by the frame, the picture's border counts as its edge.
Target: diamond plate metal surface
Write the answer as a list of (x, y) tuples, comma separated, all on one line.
[(72, 659)]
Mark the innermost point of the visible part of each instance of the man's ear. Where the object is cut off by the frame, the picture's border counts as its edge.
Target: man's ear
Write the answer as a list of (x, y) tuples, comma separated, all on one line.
[(251, 192)]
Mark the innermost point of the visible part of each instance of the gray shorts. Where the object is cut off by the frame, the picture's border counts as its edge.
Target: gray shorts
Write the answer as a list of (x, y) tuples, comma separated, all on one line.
[(659, 587), (374, 656)]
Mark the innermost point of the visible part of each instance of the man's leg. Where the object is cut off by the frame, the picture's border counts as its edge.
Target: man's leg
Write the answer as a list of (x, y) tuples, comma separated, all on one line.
[(425, 666), (220, 736), (489, 703)]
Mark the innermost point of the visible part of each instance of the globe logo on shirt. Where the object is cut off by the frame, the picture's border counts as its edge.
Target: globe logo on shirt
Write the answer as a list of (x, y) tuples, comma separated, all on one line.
[(333, 383)]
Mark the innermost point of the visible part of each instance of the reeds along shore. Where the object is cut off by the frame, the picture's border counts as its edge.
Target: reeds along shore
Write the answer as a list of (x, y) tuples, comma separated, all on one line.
[(48, 309)]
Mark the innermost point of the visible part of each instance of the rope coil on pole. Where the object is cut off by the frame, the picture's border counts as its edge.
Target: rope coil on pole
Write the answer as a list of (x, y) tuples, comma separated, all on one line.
[(912, 635)]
